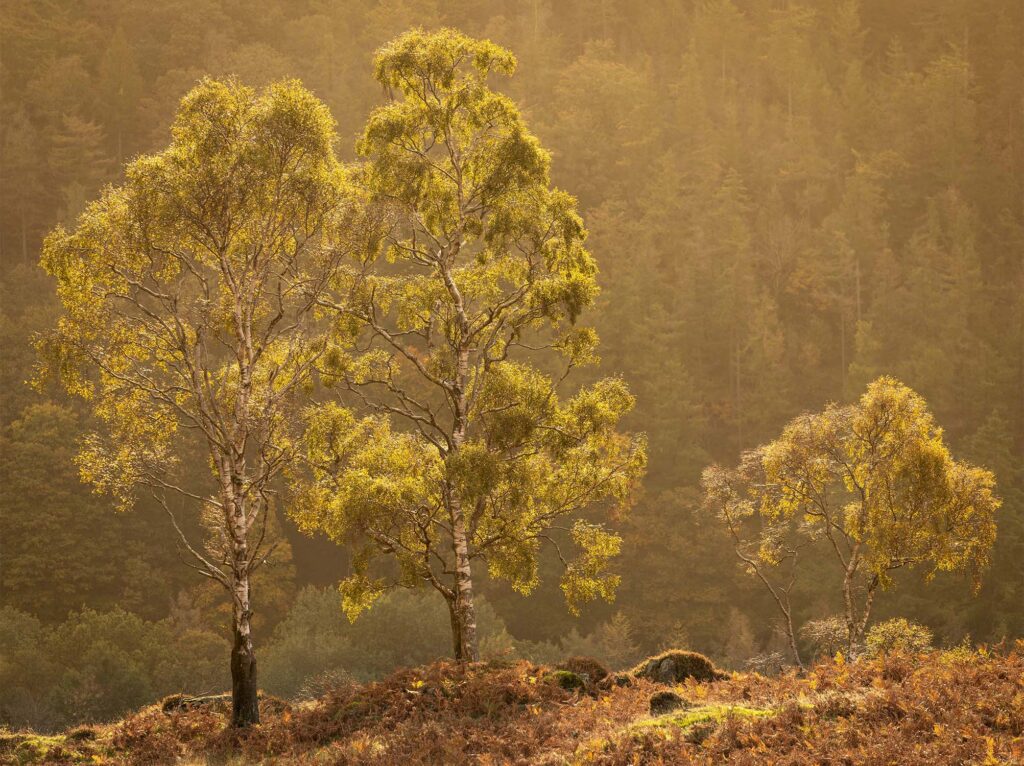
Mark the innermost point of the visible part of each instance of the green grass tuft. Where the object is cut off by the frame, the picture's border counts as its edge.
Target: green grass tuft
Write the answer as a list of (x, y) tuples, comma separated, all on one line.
[(683, 719)]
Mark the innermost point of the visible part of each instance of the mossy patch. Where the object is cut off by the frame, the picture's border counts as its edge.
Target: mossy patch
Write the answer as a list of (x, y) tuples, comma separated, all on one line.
[(684, 719), (693, 724), (33, 748), (566, 679)]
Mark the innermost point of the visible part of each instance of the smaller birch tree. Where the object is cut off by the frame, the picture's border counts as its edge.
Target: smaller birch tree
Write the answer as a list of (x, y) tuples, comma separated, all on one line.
[(480, 269), (190, 322), (875, 484)]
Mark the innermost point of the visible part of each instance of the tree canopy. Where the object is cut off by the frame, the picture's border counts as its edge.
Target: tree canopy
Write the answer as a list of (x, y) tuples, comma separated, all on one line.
[(480, 269), (190, 323), (871, 482)]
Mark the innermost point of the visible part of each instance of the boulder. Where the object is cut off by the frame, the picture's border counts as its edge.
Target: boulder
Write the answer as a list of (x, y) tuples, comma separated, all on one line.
[(675, 666), (593, 670), (666, 702)]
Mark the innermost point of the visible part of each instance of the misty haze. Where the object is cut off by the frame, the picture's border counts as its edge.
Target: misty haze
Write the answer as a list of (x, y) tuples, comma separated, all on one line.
[(489, 382)]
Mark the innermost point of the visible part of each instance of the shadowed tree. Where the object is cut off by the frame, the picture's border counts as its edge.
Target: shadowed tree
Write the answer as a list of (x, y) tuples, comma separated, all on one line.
[(874, 483), (481, 267), (190, 324)]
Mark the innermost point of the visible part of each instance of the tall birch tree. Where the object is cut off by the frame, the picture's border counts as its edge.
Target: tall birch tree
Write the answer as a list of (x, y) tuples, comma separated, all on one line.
[(190, 322), (479, 274)]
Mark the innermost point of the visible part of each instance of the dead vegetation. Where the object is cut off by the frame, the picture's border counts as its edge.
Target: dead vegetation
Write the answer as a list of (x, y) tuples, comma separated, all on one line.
[(962, 706)]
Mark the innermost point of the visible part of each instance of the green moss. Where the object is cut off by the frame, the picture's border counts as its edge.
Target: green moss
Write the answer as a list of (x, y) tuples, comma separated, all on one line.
[(33, 748), (683, 719), (694, 724), (566, 679)]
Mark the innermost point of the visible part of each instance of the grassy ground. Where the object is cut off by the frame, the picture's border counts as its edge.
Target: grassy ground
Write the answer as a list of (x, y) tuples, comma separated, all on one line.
[(959, 707)]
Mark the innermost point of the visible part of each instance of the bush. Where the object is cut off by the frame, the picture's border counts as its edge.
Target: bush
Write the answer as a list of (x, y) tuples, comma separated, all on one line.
[(827, 636), (898, 636), (661, 703), (767, 664), (566, 679)]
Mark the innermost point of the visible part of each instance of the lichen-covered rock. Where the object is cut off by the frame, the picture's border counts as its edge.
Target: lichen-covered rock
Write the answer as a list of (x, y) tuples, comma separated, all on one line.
[(675, 666)]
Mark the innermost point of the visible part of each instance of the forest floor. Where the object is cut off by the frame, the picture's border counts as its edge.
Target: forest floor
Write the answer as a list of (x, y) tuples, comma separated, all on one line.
[(952, 707)]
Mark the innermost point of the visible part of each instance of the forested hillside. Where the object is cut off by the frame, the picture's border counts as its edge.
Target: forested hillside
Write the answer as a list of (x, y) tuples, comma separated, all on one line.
[(785, 201)]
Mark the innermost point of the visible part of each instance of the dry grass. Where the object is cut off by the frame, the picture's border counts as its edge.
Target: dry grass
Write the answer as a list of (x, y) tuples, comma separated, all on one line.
[(958, 707)]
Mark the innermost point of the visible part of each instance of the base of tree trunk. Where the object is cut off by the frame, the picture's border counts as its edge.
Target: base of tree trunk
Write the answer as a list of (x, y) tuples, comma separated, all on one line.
[(245, 709)]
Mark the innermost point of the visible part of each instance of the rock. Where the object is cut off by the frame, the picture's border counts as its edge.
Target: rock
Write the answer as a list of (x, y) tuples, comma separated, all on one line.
[(177, 702), (593, 670), (566, 679), (675, 666), (666, 702)]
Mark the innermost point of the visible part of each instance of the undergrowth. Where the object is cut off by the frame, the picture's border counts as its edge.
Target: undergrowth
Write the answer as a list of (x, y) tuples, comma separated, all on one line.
[(962, 707)]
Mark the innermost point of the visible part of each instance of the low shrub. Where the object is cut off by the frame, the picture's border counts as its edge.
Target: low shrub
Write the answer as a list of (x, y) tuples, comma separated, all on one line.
[(898, 635), (566, 679), (827, 636)]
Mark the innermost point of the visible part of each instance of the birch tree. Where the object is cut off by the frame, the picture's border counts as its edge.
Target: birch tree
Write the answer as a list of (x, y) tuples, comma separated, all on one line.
[(471, 455), (190, 322), (874, 484)]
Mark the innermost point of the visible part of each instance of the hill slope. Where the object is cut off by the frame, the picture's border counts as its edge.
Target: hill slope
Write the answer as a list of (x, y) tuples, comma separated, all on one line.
[(957, 707)]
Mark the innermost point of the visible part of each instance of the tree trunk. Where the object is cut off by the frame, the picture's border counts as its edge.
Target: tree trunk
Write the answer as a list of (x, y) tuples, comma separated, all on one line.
[(791, 635), (465, 611), (851, 618), (245, 709), (453, 614)]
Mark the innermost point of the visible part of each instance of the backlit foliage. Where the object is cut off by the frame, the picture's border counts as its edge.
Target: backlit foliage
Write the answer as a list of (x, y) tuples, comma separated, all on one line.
[(874, 484), (200, 269), (190, 322), (898, 635), (466, 299)]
